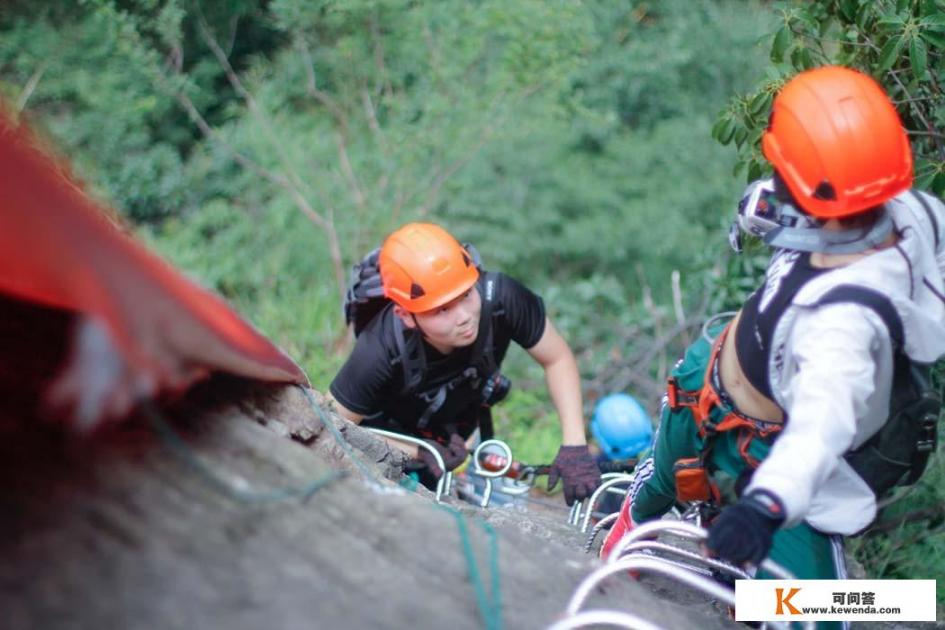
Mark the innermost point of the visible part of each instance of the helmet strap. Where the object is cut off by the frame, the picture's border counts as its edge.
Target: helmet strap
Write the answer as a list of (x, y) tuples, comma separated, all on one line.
[(800, 232)]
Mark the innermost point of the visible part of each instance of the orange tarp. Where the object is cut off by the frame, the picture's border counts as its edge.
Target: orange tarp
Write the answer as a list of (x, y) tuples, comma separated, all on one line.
[(146, 328)]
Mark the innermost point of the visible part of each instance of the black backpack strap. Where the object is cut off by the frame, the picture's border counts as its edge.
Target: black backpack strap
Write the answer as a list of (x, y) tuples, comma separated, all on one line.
[(409, 353), (483, 355), (898, 452), (482, 362), (872, 299)]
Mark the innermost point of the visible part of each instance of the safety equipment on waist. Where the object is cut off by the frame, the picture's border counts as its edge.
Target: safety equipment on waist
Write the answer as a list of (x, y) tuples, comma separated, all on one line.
[(693, 482), (577, 470), (837, 140), (713, 414), (495, 389), (621, 426), (703, 402), (743, 533), (780, 224), (423, 267)]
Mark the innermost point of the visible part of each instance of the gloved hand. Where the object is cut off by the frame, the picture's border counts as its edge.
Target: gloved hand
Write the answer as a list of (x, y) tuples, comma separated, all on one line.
[(453, 454), (621, 527), (577, 470), (743, 532)]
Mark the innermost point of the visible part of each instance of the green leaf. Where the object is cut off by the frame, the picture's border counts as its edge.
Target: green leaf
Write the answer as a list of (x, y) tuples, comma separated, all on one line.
[(863, 14), (723, 127), (848, 9), (755, 170), (923, 180), (934, 21), (892, 24), (935, 39), (741, 134), (890, 52), (759, 103), (918, 57), (728, 131), (780, 45), (938, 184), (801, 58)]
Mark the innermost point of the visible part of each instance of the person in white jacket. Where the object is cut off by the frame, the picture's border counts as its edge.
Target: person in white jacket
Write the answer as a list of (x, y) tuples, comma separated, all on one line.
[(768, 419)]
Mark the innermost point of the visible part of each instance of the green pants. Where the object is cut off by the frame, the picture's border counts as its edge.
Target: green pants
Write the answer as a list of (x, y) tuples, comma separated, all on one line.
[(804, 551)]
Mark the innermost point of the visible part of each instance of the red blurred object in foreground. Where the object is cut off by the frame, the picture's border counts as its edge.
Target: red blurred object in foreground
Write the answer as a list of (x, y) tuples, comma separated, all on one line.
[(143, 328)]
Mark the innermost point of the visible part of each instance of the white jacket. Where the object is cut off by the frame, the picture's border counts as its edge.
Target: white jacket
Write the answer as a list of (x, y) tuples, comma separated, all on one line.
[(831, 368)]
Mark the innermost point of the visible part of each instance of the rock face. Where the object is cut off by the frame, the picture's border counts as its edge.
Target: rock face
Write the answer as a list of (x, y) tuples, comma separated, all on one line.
[(172, 521)]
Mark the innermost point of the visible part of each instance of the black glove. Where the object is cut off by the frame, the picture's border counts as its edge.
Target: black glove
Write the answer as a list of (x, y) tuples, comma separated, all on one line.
[(743, 532), (453, 454), (577, 470)]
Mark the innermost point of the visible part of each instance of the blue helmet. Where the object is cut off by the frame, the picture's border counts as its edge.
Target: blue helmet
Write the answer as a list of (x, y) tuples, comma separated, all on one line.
[(621, 426)]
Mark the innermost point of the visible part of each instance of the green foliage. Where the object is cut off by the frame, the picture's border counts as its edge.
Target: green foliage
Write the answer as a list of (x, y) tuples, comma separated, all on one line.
[(901, 44), (264, 145)]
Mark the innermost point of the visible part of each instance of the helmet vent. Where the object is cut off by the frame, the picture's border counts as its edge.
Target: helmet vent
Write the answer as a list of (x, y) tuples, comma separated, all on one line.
[(416, 291), (825, 191)]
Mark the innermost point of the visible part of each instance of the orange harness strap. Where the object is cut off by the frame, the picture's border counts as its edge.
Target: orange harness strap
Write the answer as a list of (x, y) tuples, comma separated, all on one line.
[(702, 402)]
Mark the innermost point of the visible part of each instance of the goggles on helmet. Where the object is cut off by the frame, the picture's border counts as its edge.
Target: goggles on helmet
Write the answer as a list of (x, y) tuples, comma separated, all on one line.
[(780, 224), (757, 214)]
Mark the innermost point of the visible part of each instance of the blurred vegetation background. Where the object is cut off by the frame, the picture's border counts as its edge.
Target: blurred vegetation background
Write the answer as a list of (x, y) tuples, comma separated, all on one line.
[(263, 146)]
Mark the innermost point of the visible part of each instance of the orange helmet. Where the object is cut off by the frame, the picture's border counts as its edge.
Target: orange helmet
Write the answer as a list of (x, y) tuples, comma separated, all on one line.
[(423, 267), (835, 138)]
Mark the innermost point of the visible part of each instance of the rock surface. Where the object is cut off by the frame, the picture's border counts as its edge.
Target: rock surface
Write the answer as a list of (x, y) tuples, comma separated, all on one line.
[(144, 528)]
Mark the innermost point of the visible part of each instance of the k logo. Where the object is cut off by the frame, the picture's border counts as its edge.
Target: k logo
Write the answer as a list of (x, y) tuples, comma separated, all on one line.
[(786, 601)]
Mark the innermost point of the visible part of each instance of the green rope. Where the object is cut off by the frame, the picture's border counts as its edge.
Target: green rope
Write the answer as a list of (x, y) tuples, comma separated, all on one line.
[(490, 607), (328, 424), (180, 448)]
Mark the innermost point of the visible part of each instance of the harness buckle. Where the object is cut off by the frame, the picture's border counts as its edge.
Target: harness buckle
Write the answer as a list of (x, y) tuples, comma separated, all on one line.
[(928, 437), (678, 398)]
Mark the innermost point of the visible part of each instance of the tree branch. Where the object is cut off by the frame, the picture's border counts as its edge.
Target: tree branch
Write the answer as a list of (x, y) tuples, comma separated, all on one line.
[(293, 184), (383, 74), (29, 88), (311, 86)]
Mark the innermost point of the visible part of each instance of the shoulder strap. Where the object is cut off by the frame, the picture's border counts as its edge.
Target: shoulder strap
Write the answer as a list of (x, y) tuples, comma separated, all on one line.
[(918, 196), (870, 298), (410, 355), (483, 352)]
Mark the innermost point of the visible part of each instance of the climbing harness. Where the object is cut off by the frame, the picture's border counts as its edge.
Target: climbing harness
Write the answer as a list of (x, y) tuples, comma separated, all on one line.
[(692, 477)]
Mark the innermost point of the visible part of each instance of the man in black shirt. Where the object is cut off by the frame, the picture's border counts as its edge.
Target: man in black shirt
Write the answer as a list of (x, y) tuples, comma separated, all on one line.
[(427, 364)]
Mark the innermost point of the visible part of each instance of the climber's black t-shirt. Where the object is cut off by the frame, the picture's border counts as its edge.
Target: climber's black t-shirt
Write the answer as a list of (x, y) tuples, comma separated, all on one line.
[(371, 384)]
